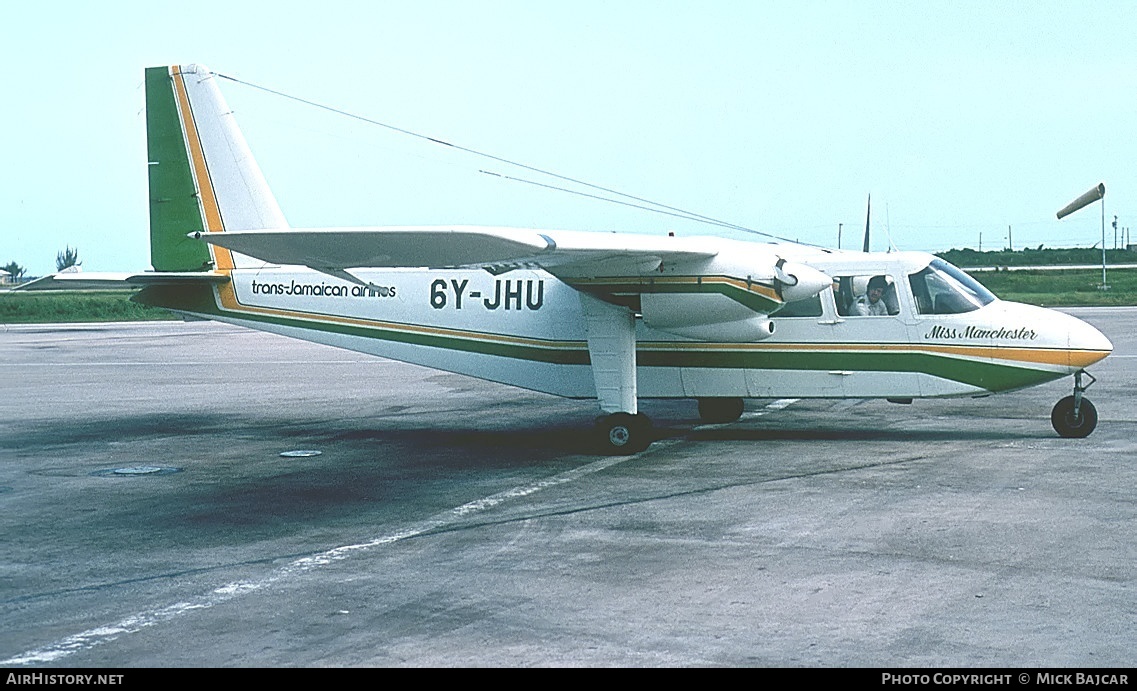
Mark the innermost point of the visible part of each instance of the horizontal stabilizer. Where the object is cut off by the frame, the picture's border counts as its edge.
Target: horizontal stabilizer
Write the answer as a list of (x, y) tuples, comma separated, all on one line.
[(94, 280)]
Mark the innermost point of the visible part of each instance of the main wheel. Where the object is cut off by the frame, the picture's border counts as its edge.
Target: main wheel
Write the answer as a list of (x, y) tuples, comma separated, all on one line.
[(1072, 426), (718, 410), (624, 433)]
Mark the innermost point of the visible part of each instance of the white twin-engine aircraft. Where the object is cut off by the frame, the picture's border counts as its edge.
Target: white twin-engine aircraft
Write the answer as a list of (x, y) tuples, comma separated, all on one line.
[(611, 316)]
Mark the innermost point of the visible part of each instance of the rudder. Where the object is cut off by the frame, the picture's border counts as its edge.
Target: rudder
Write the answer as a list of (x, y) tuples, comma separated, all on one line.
[(202, 175)]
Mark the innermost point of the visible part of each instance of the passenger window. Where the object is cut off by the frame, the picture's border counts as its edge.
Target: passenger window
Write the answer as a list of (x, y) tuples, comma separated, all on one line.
[(809, 307), (866, 296)]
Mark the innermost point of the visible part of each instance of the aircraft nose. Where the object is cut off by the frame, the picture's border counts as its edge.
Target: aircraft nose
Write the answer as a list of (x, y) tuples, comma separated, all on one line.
[(1087, 344)]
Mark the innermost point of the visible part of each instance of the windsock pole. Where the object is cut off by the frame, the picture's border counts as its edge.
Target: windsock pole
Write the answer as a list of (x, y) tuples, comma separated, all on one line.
[(1091, 196)]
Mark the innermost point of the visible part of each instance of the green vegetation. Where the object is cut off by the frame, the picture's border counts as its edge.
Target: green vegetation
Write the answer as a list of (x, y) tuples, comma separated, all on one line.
[(67, 259), (1062, 288), (967, 258), (1052, 287), (1049, 288), (93, 306), (15, 271)]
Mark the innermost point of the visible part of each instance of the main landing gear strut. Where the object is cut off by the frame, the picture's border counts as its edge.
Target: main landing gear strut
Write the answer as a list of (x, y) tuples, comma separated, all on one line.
[(1075, 417), (612, 354)]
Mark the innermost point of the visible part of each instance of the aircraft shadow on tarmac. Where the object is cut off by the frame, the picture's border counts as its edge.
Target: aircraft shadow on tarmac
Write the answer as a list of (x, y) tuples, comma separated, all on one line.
[(520, 445), (233, 478), (94, 430), (837, 433)]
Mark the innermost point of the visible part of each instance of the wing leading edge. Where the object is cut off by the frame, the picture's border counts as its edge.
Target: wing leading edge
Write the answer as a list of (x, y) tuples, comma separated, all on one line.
[(699, 287), (495, 249)]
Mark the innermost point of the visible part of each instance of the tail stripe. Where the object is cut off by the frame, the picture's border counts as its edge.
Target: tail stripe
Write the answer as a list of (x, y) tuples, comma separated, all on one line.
[(174, 206), (211, 213)]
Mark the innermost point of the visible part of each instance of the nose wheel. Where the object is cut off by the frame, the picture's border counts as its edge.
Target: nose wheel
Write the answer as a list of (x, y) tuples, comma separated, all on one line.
[(1074, 417)]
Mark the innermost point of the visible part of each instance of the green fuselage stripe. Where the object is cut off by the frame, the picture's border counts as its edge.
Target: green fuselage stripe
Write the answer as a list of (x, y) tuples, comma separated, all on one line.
[(987, 375), (200, 300)]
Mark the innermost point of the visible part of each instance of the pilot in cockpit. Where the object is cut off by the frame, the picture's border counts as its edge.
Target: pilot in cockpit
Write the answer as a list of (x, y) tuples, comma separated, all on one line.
[(870, 304)]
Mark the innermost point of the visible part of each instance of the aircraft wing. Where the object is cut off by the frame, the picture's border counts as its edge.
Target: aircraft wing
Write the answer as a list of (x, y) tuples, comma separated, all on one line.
[(710, 289), (334, 250)]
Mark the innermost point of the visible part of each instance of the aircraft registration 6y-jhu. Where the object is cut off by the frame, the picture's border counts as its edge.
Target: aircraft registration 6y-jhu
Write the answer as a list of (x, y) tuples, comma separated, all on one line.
[(611, 316)]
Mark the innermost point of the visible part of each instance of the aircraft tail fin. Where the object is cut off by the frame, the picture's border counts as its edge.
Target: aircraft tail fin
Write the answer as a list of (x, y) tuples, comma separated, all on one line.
[(202, 174)]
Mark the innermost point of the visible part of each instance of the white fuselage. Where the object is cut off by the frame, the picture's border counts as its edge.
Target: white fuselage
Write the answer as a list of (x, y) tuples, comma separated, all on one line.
[(526, 328)]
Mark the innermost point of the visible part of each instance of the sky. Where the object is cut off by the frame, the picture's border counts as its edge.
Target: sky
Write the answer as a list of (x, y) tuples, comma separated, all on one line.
[(961, 119)]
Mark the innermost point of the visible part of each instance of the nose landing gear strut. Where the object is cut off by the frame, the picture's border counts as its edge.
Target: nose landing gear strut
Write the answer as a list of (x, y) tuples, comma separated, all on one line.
[(1074, 416)]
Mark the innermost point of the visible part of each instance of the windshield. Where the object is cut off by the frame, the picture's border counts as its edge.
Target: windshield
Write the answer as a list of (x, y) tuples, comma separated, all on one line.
[(941, 288)]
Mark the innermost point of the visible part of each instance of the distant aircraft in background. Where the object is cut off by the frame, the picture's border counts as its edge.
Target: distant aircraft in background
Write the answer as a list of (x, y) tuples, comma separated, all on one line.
[(611, 316)]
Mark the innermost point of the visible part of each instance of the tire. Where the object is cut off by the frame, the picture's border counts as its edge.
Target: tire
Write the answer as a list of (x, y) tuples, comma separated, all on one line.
[(720, 410), (624, 434), (1066, 424)]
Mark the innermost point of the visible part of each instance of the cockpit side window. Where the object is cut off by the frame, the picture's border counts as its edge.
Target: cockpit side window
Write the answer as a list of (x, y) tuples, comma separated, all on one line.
[(941, 288), (866, 296)]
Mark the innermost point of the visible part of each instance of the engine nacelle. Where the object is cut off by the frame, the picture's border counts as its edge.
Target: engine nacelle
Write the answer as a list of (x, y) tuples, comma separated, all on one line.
[(726, 298), (743, 331), (704, 317), (799, 281)]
